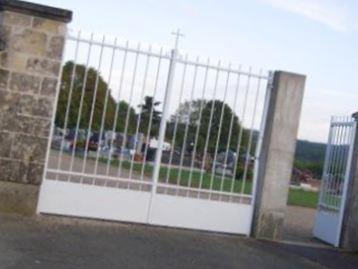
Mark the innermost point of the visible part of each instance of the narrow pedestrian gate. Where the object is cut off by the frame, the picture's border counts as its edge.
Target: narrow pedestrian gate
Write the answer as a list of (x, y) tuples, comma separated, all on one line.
[(144, 134), (335, 180)]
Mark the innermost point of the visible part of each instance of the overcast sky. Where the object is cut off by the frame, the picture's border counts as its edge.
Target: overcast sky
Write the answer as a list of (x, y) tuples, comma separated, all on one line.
[(318, 38)]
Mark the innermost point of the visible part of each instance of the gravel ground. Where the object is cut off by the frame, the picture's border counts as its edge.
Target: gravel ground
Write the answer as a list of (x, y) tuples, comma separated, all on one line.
[(56, 243)]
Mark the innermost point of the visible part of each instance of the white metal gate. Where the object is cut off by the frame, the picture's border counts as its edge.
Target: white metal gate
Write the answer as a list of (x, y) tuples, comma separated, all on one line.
[(335, 180), (152, 136)]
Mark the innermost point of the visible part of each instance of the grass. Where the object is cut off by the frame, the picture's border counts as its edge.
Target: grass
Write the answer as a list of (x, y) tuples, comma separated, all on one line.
[(296, 197), (302, 198), (182, 176)]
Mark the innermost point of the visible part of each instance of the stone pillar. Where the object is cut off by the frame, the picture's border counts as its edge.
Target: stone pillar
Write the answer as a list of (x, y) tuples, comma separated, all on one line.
[(277, 154), (32, 39), (349, 238)]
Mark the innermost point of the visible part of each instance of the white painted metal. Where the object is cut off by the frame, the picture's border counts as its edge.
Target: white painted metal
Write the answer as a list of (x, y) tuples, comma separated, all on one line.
[(125, 189), (335, 180), (177, 211), (90, 201)]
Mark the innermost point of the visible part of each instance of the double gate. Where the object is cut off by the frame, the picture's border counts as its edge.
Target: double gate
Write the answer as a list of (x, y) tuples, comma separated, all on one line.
[(146, 134), (335, 180)]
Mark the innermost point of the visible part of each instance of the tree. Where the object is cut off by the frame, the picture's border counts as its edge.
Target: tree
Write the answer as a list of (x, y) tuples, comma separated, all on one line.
[(88, 98), (148, 110), (192, 121)]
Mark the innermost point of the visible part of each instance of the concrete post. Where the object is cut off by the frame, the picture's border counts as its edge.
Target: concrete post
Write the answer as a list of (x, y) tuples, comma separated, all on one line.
[(349, 238), (277, 154), (32, 39)]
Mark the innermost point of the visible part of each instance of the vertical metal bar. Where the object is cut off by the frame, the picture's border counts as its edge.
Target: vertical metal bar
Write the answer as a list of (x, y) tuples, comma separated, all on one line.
[(176, 123), (68, 105), (202, 102), (219, 131), (326, 163), (248, 153), (124, 140), (163, 122), (259, 143), (103, 119), (140, 108), (340, 169), (151, 115), (209, 127), (346, 182), (330, 163), (118, 101), (74, 147), (334, 162), (187, 124), (241, 130), (94, 99), (230, 128)]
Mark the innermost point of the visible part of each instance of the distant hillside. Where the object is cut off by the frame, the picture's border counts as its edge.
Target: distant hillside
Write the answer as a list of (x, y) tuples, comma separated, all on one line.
[(307, 151), (310, 156)]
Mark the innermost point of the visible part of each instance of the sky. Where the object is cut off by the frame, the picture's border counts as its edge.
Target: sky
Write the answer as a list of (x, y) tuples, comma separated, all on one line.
[(318, 38)]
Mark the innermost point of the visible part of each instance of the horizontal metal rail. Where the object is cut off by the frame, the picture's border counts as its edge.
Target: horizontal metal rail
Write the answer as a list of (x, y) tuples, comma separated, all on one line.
[(72, 173), (167, 56)]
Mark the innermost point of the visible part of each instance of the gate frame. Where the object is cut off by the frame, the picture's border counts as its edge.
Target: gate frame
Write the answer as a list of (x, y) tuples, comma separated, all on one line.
[(335, 219)]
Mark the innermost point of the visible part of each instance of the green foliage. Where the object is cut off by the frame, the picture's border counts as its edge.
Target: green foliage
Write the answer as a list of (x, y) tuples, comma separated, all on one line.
[(310, 156), (204, 133), (148, 110), (103, 93)]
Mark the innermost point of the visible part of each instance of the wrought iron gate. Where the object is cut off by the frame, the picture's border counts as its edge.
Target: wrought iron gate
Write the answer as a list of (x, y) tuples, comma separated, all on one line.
[(152, 136), (335, 180)]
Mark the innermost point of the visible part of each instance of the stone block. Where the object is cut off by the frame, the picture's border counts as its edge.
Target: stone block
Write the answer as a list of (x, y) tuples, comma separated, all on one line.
[(5, 32), (18, 198), (5, 144), (29, 41), (43, 67), (49, 87), (55, 47), (50, 26), (16, 19), (24, 83), (41, 128), (18, 123), (42, 107), (7, 168), (13, 61), (8, 101), (4, 77), (33, 172), (29, 148)]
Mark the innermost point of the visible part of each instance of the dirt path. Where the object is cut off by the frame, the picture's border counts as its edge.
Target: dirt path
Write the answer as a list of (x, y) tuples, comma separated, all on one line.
[(298, 224)]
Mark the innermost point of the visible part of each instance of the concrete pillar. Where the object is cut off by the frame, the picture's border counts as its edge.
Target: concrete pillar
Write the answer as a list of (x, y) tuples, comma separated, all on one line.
[(277, 154), (32, 39), (349, 236)]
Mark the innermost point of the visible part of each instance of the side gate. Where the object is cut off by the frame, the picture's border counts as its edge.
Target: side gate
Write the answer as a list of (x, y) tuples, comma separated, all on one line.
[(335, 180), (146, 134)]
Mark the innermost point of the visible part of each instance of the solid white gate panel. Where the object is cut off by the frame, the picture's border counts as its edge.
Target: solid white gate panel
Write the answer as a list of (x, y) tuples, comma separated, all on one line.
[(191, 213), (326, 226), (90, 201)]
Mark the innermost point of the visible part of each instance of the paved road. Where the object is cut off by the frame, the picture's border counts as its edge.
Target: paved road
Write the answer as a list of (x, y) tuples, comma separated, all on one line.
[(61, 243)]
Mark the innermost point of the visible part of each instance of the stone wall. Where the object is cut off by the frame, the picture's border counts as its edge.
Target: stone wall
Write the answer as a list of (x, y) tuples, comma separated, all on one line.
[(30, 63), (32, 39)]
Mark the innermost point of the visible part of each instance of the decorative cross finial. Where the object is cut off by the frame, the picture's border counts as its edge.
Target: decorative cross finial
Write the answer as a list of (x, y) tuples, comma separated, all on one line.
[(177, 35)]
